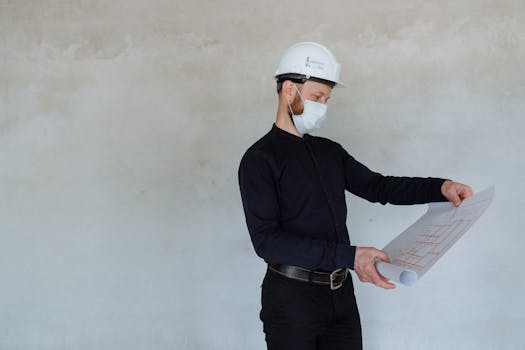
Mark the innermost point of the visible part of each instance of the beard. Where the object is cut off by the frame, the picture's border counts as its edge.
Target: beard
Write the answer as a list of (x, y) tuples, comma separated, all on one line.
[(297, 106)]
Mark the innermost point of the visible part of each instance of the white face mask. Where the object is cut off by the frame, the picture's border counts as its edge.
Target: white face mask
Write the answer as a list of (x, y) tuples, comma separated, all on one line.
[(313, 115)]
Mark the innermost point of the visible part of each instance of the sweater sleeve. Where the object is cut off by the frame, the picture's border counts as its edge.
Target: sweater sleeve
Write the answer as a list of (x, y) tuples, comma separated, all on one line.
[(376, 187)]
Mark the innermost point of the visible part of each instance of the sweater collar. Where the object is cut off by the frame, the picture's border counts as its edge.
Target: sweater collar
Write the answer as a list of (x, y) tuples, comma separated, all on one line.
[(278, 130)]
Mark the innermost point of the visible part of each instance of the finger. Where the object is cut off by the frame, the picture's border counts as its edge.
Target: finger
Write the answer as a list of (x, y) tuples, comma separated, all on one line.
[(466, 192), (378, 279), (375, 276), (384, 278), (453, 197), (372, 275), (364, 278), (383, 256), (386, 285)]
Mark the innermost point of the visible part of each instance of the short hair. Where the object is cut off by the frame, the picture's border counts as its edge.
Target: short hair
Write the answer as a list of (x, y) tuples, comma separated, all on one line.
[(299, 79)]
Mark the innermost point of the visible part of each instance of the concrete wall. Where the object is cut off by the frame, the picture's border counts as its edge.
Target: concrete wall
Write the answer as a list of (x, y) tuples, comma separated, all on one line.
[(122, 124)]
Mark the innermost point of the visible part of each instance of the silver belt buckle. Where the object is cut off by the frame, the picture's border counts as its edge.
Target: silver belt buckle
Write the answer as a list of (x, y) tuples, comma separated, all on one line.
[(332, 278)]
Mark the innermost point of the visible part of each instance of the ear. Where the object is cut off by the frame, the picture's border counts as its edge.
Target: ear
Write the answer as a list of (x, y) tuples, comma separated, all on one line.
[(288, 90)]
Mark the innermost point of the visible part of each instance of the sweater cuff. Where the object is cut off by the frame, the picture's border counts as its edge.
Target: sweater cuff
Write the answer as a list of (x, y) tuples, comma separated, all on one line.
[(435, 194), (345, 256)]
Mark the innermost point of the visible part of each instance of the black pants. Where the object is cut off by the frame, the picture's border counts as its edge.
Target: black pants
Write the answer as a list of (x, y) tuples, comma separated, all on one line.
[(303, 316)]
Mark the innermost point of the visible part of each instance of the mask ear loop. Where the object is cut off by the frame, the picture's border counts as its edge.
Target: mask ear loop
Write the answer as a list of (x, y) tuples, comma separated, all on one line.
[(300, 95), (299, 92), (291, 110)]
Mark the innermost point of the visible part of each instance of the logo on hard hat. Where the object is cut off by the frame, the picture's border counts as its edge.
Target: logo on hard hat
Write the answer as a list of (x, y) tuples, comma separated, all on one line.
[(314, 64)]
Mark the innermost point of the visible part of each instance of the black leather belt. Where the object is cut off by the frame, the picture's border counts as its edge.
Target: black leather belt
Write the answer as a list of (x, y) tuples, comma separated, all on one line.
[(334, 279)]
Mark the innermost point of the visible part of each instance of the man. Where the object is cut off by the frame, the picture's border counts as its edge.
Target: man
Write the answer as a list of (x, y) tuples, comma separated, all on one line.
[(293, 192)]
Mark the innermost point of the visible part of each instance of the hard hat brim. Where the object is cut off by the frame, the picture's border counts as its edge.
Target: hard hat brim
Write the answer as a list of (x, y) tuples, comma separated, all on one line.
[(301, 79)]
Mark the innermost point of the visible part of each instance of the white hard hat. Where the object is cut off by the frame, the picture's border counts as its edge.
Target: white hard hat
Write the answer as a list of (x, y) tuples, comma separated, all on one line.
[(309, 60)]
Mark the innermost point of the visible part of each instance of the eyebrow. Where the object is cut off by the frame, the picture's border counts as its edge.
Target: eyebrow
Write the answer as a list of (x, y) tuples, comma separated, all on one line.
[(316, 91)]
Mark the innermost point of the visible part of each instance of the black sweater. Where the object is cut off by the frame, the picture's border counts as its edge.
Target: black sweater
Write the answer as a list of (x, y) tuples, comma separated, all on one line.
[(293, 194)]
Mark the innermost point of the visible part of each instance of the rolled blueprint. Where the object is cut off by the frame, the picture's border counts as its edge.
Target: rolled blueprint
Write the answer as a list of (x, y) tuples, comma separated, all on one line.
[(421, 245), (396, 273)]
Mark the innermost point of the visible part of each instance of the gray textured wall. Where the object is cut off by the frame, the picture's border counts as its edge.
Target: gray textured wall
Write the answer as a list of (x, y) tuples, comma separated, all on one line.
[(122, 124)]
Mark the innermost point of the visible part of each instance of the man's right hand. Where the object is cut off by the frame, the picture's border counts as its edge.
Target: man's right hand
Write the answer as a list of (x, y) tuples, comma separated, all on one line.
[(364, 266)]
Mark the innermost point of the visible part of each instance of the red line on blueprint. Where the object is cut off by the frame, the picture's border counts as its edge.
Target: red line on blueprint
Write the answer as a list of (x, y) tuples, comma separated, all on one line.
[(433, 255), (409, 263), (412, 254)]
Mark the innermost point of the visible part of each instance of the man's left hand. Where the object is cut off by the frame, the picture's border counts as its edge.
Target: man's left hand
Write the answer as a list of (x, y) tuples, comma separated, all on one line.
[(456, 192)]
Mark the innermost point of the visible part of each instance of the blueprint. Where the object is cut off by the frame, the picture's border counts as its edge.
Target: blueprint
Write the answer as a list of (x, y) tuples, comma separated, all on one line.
[(422, 244)]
